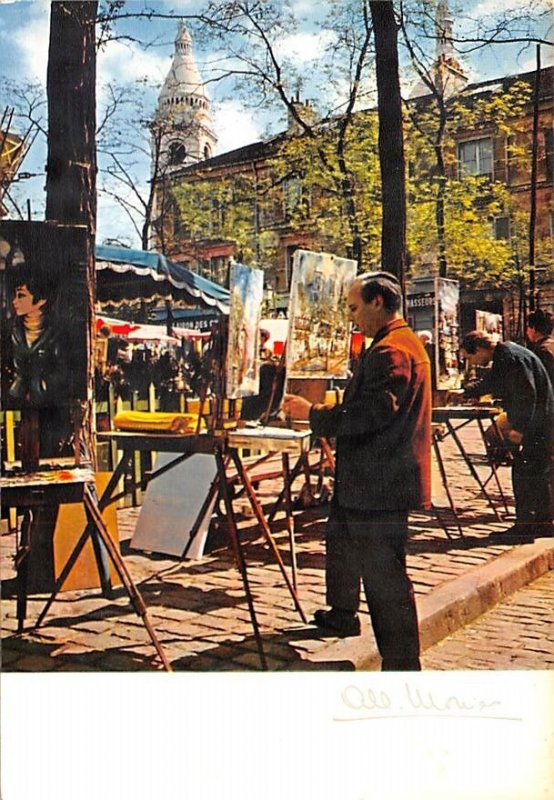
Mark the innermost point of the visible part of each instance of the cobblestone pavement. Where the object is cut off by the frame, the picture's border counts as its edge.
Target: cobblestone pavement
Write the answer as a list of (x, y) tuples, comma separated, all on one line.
[(198, 608), (518, 633)]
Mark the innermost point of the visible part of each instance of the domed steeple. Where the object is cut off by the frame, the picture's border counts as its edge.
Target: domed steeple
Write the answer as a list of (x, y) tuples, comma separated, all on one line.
[(444, 24), (447, 74), (183, 116)]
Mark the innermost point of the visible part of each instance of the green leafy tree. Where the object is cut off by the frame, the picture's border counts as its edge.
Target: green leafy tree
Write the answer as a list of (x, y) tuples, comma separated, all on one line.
[(451, 215)]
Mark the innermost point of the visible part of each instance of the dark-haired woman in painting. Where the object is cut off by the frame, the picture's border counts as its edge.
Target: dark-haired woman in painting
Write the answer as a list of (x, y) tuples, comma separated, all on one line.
[(41, 371)]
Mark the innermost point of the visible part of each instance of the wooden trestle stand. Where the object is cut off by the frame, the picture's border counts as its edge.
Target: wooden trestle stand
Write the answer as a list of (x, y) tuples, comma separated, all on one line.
[(224, 447)]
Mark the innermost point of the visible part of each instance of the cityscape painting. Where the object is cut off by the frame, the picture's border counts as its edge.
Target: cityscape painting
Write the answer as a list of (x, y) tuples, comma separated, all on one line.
[(243, 363), (318, 344)]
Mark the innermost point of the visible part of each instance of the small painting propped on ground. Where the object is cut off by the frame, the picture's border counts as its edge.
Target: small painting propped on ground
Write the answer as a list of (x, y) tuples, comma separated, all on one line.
[(243, 362), (44, 306), (318, 344)]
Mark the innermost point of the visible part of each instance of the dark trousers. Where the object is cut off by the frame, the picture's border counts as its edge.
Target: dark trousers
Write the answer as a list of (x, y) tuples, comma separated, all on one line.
[(370, 546), (533, 484)]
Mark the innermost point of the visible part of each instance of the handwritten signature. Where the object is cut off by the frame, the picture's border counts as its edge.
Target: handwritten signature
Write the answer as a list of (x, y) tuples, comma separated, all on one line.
[(413, 701)]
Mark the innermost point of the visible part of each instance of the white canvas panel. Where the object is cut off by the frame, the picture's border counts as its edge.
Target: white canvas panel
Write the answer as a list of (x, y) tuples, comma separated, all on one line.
[(171, 505)]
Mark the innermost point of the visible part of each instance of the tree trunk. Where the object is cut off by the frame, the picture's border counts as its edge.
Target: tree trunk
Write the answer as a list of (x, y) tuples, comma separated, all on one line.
[(71, 81), (71, 162), (391, 143)]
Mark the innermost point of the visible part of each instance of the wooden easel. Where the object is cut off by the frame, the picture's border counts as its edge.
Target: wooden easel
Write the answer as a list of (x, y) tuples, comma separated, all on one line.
[(31, 492), (29, 445), (215, 442)]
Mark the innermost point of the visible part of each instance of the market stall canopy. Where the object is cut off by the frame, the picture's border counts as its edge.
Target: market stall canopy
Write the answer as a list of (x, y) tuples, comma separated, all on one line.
[(123, 275), (190, 333)]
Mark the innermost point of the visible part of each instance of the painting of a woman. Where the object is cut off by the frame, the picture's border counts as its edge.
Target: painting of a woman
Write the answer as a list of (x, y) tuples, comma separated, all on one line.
[(41, 370), (40, 376)]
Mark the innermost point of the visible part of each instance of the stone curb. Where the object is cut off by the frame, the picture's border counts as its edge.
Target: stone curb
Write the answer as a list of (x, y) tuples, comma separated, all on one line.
[(457, 603)]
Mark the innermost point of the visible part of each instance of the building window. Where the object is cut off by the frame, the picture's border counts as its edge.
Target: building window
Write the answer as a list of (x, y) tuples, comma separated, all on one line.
[(207, 151), (549, 154), (296, 199), (475, 157), (177, 153), (289, 260), (502, 228)]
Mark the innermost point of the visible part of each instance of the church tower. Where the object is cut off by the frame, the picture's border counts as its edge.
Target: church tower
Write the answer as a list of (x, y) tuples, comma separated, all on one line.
[(447, 74), (444, 25), (182, 130)]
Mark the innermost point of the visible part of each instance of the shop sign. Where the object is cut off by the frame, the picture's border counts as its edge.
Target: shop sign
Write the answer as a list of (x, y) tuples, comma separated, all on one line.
[(422, 300)]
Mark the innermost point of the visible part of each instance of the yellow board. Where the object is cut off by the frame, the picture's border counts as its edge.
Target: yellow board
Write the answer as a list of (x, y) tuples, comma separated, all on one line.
[(155, 421), (69, 527)]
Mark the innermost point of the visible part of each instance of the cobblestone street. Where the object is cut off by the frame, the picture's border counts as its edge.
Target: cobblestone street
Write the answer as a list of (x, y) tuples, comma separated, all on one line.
[(518, 633), (198, 609)]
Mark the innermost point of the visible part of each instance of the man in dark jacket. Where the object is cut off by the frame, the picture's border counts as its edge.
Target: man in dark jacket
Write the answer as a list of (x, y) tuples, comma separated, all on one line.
[(520, 381), (383, 469), (540, 325)]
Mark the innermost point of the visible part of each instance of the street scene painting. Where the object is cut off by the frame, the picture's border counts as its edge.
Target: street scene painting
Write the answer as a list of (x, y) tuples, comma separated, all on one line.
[(447, 299), (318, 343), (490, 323), (44, 325), (243, 364)]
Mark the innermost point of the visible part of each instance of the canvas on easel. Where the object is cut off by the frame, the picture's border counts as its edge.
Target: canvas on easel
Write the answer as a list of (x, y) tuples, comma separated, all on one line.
[(44, 301), (44, 327), (245, 312), (318, 344)]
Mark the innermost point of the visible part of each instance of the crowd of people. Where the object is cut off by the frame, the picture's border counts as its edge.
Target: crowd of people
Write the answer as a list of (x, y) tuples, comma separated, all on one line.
[(131, 368)]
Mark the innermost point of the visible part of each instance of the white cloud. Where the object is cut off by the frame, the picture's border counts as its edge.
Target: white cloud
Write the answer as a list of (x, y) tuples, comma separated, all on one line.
[(304, 47), (127, 62), (234, 126), (530, 63), (305, 7), (32, 41), (124, 62)]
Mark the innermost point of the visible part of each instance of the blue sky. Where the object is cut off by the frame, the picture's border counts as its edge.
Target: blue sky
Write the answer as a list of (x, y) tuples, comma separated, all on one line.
[(24, 33)]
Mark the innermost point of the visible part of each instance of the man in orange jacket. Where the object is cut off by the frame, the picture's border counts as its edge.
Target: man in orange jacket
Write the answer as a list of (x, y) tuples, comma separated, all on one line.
[(383, 469)]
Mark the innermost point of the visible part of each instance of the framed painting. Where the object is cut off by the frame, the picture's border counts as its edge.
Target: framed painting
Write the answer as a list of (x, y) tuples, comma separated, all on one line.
[(44, 325), (490, 323), (318, 343), (243, 363), (447, 304)]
